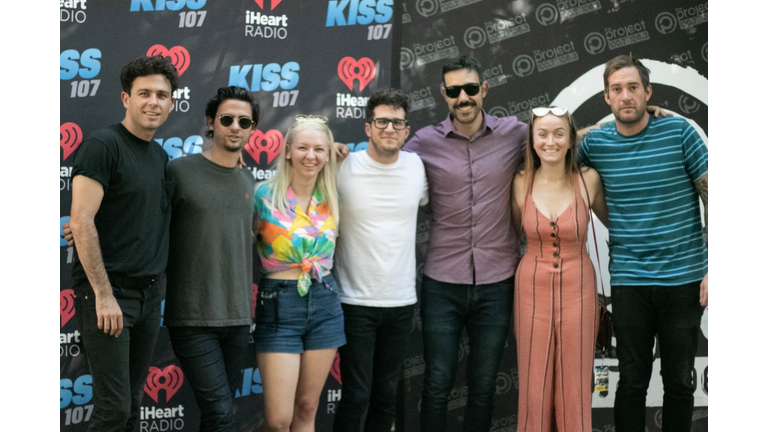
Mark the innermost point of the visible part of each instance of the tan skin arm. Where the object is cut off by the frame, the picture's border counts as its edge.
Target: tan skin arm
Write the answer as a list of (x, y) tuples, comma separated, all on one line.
[(87, 195), (518, 200), (703, 187), (596, 194)]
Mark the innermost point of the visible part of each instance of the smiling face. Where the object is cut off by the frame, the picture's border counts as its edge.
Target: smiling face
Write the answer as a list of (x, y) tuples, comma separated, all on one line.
[(231, 138), (308, 153), (627, 97), (551, 138), (148, 105), (466, 110)]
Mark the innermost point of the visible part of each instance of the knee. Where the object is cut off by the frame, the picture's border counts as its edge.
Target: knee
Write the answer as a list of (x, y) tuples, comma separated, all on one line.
[(305, 409), (277, 423)]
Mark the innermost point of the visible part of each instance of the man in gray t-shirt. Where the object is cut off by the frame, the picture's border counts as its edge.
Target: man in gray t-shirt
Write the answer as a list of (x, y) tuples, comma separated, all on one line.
[(208, 298)]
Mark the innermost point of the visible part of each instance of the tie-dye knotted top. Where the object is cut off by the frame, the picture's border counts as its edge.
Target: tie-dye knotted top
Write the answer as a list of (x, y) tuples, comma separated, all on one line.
[(297, 239)]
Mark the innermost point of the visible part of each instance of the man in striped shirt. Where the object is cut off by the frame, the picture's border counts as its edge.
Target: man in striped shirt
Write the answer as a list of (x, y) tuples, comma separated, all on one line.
[(654, 170)]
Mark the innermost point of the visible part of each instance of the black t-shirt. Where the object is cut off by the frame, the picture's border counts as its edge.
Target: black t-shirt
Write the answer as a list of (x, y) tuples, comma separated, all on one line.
[(132, 221), (210, 264)]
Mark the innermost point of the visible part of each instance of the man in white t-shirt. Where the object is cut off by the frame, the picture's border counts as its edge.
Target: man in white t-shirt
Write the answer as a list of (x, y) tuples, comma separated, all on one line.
[(380, 190)]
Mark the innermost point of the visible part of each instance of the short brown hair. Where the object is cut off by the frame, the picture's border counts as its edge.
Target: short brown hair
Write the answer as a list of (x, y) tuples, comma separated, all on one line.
[(622, 61)]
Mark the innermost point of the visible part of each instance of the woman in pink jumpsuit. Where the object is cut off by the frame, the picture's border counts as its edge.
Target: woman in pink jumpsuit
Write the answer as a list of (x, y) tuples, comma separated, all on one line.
[(555, 303)]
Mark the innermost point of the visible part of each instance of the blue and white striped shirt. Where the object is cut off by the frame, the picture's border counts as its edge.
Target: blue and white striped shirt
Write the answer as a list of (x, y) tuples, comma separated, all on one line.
[(655, 233)]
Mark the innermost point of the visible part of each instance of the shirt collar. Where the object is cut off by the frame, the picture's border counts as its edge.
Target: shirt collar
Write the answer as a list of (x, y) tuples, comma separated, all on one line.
[(489, 123)]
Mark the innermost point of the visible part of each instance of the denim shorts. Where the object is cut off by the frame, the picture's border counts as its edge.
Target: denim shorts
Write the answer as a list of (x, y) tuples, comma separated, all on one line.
[(289, 323)]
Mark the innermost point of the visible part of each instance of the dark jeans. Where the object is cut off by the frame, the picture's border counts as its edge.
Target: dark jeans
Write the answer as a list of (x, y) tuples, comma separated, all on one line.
[(212, 359), (119, 365), (370, 364), (639, 314), (485, 311)]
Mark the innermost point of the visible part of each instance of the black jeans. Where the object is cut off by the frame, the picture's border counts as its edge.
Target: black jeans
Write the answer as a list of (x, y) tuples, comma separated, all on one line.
[(212, 359), (119, 365), (370, 365), (639, 314), (446, 309)]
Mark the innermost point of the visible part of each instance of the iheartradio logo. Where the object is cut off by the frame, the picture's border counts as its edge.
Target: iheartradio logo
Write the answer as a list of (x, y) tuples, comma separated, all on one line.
[(169, 379), (67, 305), (362, 70), (270, 142), (260, 3), (178, 54), (70, 138)]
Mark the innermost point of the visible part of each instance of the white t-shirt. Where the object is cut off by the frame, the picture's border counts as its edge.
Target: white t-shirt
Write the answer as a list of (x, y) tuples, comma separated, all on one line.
[(375, 258)]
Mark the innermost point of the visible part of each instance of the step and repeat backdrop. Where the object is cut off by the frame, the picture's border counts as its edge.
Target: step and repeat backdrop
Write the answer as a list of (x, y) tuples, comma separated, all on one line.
[(541, 53), (296, 56), (327, 57)]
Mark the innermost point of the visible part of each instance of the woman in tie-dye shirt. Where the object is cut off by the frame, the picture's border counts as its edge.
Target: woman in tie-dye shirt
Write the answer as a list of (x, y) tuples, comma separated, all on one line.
[(299, 321)]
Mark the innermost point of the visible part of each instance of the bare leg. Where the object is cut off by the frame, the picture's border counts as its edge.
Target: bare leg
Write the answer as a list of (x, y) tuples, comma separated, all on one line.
[(279, 377), (315, 365)]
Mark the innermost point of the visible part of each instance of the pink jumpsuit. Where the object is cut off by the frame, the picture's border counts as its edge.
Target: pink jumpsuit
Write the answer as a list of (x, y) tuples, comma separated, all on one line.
[(555, 320)]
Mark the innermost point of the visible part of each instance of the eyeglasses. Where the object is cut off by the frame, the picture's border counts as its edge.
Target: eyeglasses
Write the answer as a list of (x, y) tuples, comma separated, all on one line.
[(382, 123), (470, 89), (226, 121), (542, 111), (318, 118)]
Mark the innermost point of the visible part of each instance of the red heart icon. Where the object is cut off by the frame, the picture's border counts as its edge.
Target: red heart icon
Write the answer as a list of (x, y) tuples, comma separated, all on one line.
[(270, 143), (336, 369), (70, 138), (67, 305), (260, 3), (169, 379), (178, 54), (362, 70)]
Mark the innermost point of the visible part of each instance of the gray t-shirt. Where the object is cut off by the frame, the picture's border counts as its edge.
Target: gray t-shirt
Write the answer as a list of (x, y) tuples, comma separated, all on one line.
[(210, 258)]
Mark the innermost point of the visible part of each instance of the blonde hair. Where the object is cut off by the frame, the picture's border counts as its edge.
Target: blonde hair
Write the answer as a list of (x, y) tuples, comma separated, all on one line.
[(326, 179)]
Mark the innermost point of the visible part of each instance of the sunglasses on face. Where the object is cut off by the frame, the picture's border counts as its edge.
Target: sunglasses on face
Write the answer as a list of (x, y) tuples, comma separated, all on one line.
[(382, 123), (226, 121), (470, 89), (542, 111), (318, 118)]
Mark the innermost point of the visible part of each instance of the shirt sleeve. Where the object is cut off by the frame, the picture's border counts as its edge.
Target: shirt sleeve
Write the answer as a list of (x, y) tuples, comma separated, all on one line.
[(583, 152), (412, 145), (695, 153), (95, 160)]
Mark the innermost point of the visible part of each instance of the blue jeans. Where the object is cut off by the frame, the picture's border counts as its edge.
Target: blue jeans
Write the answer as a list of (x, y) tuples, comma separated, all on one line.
[(639, 314), (370, 365), (212, 359), (119, 365), (485, 311)]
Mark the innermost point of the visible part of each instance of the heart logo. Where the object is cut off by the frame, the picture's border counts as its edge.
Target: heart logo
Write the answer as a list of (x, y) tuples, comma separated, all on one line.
[(67, 305), (169, 379), (260, 3), (362, 70), (270, 143), (178, 54), (336, 369), (70, 138)]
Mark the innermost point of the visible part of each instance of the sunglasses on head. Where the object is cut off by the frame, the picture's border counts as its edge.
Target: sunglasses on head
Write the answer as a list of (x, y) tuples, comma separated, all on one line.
[(542, 111), (318, 118), (470, 89), (227, 119)]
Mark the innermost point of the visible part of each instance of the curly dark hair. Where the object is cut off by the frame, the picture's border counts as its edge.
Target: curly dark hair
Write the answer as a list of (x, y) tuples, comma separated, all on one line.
[(386, 96), (143, 66), (463, 62), (231, 92)]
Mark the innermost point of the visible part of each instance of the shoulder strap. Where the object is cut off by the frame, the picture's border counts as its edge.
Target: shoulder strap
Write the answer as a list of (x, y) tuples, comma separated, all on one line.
[(594, 236)]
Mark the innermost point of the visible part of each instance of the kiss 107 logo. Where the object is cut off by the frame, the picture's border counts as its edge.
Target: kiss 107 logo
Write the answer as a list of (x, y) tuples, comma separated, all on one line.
[(78, 392), (85, 65), (176, 147)]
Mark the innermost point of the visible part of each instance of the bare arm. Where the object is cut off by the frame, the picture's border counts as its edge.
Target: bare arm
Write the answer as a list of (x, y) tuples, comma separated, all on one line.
[(597, 193), (86, 200), (518, 199), (703, 187)]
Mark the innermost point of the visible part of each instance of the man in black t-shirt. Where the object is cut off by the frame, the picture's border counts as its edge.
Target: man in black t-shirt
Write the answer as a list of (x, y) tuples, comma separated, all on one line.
[(119, 220)]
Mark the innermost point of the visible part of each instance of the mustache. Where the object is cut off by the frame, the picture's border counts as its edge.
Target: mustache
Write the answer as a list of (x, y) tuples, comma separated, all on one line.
[(463, 104)]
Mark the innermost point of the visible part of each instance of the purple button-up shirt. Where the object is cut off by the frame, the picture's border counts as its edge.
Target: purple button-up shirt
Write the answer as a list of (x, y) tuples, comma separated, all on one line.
[(470, 180)]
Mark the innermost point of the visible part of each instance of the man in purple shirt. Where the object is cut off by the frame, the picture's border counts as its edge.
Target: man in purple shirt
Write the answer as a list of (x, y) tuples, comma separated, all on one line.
[(470, 159)]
